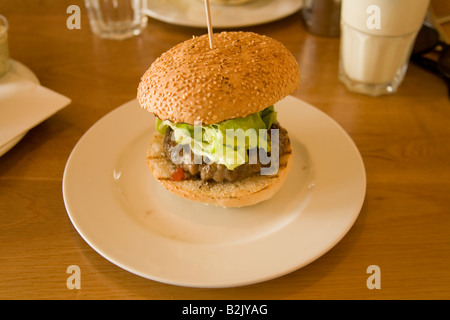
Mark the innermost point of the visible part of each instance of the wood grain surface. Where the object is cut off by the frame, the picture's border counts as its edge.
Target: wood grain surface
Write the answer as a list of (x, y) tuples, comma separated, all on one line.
[(404, 140)]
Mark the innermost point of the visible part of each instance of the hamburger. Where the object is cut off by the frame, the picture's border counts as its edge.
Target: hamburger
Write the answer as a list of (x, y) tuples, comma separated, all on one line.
[(218, 140)]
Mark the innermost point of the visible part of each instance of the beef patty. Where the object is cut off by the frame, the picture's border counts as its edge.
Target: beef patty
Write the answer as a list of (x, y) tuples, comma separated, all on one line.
[(209, 171)]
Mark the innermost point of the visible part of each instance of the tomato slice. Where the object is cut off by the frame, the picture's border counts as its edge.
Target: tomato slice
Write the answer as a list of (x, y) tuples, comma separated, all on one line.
[(178, 175)]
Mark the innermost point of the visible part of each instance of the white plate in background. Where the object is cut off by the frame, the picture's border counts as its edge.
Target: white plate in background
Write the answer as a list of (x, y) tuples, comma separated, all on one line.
[(191, 13)]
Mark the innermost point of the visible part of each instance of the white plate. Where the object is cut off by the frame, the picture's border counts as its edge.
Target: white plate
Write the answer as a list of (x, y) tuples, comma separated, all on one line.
[(24, 72), (191, 13), (125, 215)]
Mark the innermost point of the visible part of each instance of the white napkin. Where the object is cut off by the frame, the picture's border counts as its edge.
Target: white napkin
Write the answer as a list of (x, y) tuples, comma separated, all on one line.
[(24, 104)]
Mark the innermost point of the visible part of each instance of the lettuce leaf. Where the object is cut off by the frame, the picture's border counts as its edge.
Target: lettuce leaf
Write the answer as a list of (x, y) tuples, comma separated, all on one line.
[(226, 142)]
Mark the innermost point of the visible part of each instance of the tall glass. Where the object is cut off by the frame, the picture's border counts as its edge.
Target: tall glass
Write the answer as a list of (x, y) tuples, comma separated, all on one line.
[(377, 37), (116, 19)]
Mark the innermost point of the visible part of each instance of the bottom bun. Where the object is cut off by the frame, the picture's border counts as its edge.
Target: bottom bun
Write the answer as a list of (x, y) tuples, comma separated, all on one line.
[(245, 192)]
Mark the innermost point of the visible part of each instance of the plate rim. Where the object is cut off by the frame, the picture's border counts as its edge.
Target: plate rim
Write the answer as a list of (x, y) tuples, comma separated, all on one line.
[(222, 24), (28, 74)]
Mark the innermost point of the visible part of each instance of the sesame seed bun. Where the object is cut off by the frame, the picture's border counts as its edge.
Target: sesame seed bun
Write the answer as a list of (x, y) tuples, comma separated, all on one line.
[(245, 192), (244, 73)]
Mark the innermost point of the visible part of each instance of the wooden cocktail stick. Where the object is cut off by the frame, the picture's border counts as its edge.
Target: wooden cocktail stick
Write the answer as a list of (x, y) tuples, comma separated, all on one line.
[(208, 21)]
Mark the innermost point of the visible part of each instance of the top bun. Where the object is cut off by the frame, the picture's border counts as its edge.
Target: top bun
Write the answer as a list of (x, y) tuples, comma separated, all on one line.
[(244, 73)]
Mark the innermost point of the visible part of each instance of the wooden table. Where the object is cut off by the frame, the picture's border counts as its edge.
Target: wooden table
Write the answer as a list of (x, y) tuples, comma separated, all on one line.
[(404, 140)]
